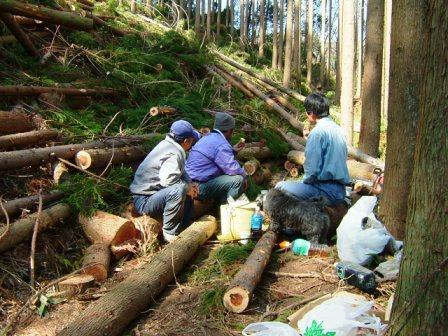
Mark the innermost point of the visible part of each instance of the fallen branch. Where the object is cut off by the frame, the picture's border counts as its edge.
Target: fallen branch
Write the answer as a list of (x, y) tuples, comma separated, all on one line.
[(7, 226), (27, 138), (21, 90), (19, 34), (33, 240)]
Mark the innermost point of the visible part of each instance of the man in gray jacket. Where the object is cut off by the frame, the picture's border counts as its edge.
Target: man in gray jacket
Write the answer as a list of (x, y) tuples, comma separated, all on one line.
[(161, 184)]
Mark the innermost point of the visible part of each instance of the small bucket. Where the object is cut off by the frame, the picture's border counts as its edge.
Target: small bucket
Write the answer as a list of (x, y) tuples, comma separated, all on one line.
[(235, 220)]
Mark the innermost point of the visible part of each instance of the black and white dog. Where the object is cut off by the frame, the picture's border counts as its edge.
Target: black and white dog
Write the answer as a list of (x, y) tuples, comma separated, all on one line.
[(308, 218)]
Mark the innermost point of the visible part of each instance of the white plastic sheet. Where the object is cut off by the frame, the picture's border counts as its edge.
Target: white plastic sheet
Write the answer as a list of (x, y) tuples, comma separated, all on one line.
[(269, 329)]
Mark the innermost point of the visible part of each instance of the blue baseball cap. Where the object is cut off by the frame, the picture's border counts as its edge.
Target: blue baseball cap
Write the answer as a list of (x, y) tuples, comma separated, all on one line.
[(182, 129)]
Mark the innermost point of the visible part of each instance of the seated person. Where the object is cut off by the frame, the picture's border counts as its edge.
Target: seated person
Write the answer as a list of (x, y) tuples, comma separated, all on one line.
[(212, 163), (161, 184), (326, 172)]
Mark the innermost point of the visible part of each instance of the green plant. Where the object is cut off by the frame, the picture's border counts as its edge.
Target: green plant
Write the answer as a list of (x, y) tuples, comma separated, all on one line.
[(211, 301)]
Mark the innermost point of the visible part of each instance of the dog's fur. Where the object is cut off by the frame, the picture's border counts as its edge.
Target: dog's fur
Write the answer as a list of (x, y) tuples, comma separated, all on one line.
[(304, 217)]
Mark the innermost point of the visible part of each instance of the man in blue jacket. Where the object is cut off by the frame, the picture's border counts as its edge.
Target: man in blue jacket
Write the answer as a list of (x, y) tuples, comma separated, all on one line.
[(325, 166), (212, 162), (161, 184)]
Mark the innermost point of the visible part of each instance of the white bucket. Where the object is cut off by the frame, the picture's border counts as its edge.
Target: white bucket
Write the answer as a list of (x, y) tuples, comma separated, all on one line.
[(235, 220)]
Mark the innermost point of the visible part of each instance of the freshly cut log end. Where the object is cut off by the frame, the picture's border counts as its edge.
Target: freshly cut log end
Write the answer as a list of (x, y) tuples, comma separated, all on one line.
[(60, 172), (237, 299), (76, 284), (162, 110), (97, 260), (251, 167), (83, 159), (294, 172)]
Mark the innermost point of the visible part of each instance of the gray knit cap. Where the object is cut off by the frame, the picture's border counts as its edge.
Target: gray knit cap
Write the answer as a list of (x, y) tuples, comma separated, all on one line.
[(224, 122)]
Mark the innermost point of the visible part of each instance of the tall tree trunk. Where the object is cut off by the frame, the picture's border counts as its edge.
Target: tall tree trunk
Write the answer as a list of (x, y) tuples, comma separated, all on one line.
[(232, 17), (406, 69), (386, 57), (288, 44), (347, 63), (369, 137), (189, 9), (133, 6), (330, 13), (262, 29), (359, 51), (420, 306), (209, 20), (281, 35), (204, 12), (254, 22), (242, 24), (227, 13), (275, 36), (247, 7), (181, 9), (218, 21), (149, 8), (309, 43), (322, 43), (297, 57), (197, 17), (337, 93)]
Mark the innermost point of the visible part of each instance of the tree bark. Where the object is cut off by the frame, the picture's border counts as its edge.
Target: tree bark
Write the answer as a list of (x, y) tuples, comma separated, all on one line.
[(38, 156), (162, 110), (19, 90), (100, 158), (22, 229), (233, 82), (280, 35), (330, 13), (133, 6), (386, 57), (297, 52), (262, 28), (259, 153), (288, 44), (239, 293), (27, 138), (405, 84), (337, 93), (114, 311), (227, 13), (275, 36), (232, 17), (309, 44), (420, 303), (96, 261), (16, 122), (322, 44), (19, 34), (17, 206), (66, 19), (369, 137), (347, 64), (209, 19), (359, 17), (197, 18), (218, 20)]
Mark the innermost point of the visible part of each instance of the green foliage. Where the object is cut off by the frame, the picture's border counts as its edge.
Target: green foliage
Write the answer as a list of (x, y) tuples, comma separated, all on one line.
[(231, 253), (317, 330), (86, 195), (82, 38), (211, 301)]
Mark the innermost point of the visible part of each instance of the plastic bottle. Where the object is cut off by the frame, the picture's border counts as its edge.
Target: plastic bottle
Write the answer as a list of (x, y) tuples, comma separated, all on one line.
[(256, 223), (304, 247), (356, 275)]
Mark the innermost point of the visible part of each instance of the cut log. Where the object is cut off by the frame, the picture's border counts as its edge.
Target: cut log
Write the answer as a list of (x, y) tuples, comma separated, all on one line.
[(17, 206), (279, 87), (116, 309), (261, 143), (288, 165), (27, 138), (261, 175), (258, 153), (357, 170), (100, 158), (96, 261), (60, 172), (285, 102), (294, 172), (38, 156), (15, 122), (251, 166), (162, 110), (227, 78), (76, 284), (19, 34), (22, 229), (237, 297), (21, 90), (66, 19)]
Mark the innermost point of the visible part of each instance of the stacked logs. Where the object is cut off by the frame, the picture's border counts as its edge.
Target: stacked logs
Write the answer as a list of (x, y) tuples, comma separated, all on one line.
[(252, 154)]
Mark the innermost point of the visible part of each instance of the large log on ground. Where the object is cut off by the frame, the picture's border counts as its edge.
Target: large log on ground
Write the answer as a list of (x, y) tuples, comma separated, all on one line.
[(27, 138), (22, 229), (66, 19), (15, 122), (19, 34), (357, 170), (16, 206), (279, 87), (232, 81), (96, 261), (259, 153), (35, 157), (22, 90), (99, 158), (238, 294), (116, 309)]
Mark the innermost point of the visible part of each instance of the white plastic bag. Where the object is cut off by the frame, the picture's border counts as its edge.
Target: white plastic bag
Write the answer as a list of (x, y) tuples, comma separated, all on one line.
[(342, 314), (356, 244), (269, 329)]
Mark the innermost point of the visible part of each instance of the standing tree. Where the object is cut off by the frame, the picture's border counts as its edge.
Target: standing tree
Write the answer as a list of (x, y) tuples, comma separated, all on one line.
[(359, 42), (337, 93), (369, 137), (133, 6), (386, 56), (204, 13), (322, 44), (288, 44), (218, 20), (262, 33), (406, 69), (181, 9), (309, 43), (420, 306), (275, 36), (197, 17), (242, 23), (281, 35), (232, 17), (347, 63), (297, 53), (227, 13), (149, 8), (330, 13), (209, 20)]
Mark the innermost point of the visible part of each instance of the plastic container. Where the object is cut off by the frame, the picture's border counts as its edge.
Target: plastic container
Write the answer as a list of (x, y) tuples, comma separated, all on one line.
[(356, 275), (256, 223), (235, 220), (306, 248)]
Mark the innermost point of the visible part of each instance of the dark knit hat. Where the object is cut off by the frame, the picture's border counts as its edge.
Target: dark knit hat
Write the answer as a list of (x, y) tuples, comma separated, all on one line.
[(224, 122)]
